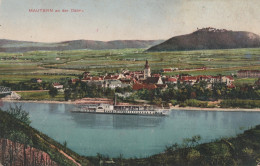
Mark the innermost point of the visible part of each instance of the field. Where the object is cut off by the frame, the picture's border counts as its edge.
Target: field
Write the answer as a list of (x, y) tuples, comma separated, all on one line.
[(40, 95), (53, 65)]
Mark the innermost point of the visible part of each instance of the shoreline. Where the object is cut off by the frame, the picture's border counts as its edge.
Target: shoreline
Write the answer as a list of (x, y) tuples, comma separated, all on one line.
[(172, 108), (38, 101), (216, 109)]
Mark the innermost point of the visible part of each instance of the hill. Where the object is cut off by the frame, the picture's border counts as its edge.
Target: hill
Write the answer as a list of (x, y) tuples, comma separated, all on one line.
[(210, 38), (24, 46)]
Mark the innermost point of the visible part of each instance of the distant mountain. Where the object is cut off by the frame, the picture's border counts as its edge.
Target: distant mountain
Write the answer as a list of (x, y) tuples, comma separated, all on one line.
[(23, 46), (210, 38)]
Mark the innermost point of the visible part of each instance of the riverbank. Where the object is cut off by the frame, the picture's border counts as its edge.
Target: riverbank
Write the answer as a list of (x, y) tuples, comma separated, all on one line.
[(39, 101), (175, 108), (217, 109)]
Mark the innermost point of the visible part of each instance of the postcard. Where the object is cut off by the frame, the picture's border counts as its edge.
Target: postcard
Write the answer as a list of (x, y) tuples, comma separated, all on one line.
[(128, 82)]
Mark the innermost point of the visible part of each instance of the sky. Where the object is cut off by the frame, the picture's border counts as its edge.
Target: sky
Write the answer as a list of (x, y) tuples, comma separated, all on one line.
[(107, 20)]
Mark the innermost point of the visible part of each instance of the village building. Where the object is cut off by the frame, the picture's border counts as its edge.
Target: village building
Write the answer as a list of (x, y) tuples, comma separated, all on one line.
[(36, 80), (228, 80), (154, 80), (139, 86), (57, 85), (170, 80), (147, 70), (112, 84), (248, 73), (166, 70), (191, 80)]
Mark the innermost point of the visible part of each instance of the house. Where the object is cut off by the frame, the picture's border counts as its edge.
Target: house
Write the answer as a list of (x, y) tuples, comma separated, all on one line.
[(86, 74), (170, 80), (248, 73), (57, 85), (36, 80), (112, 84), (215, 79), (39, 80), (188, 79), (154, 80), (74, 80), (139, 86), (166, 70), (156, 75), (228, 80)]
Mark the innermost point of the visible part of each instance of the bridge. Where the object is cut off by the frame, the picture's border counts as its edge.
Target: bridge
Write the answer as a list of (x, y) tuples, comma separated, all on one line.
[(5, 90)]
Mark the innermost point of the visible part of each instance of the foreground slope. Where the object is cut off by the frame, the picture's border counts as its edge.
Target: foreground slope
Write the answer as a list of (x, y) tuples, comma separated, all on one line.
[(210, 38), (20, 144), (242, 150)]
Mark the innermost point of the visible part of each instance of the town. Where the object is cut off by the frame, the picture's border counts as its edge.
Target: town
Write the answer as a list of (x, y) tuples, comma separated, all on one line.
[(144, 79)]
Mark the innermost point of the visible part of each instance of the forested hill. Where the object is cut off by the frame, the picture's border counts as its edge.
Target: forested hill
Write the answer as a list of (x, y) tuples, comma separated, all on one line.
[(210, 38), (24, 46)]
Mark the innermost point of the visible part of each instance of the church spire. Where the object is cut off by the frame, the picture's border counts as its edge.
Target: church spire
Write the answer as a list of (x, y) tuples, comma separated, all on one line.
[(146, 65), (147, 70)]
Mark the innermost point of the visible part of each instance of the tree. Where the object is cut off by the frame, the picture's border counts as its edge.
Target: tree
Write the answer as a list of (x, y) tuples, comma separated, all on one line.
[(67, 94), (18, 112), (53, 91)]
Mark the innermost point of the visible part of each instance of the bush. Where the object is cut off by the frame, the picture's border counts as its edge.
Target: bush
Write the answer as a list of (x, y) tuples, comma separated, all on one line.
[(194, 103), (174, 102), (239, 103)]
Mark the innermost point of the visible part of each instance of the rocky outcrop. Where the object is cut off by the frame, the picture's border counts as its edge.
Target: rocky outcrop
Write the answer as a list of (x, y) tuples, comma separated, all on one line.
[(17, 154)]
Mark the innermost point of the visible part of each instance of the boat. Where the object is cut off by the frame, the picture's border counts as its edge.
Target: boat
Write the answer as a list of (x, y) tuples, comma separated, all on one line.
[(122, 109)]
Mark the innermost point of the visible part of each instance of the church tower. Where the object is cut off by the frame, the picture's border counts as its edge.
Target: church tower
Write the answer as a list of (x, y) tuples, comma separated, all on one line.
[(147, 70)]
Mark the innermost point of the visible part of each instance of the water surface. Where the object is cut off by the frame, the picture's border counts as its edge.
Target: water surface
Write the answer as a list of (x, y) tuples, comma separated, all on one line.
[(132, 135)]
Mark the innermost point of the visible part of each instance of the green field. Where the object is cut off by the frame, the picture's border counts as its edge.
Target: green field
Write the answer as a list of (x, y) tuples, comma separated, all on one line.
[(24, 66), (40, 95)]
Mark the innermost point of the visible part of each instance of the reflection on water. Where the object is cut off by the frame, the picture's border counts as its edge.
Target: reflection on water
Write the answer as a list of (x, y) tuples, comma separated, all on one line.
[(132, 135), (115, 121)]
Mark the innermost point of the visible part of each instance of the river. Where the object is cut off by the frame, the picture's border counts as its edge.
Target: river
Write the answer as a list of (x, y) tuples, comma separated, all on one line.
[(132, 135)]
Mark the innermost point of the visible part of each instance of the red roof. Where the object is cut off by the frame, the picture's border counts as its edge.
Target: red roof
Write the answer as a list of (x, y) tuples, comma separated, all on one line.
[(231, 86), (110, 77), (56, 84), (156, 75), (144, 86), (97, 78), (74, 80), (165, 70), (188, 78), (230, 77), (171, 79)]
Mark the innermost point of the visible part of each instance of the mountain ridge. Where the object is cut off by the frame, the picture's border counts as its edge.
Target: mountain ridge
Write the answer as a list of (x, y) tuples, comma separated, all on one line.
[(209, 38), (24, 46)]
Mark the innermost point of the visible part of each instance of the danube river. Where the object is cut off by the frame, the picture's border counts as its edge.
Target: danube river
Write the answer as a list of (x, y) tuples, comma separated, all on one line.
[(132, 135)]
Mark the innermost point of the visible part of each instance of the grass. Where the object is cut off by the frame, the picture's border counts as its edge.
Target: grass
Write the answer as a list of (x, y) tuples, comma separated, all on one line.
[(248, 81), (40, 95)]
